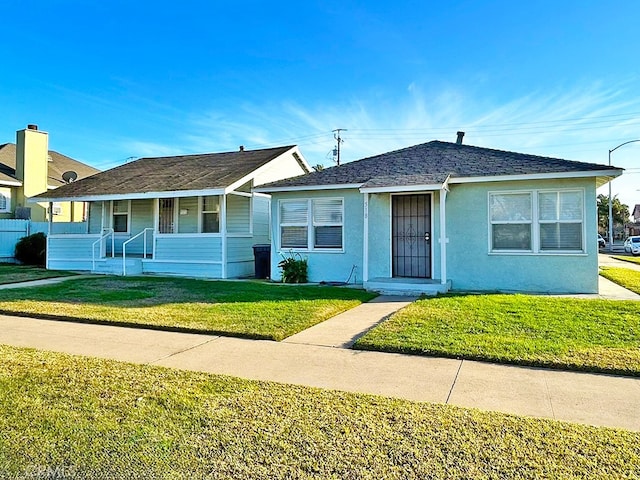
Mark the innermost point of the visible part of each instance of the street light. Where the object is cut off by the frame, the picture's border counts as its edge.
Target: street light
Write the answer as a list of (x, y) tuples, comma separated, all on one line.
[(610, 199)]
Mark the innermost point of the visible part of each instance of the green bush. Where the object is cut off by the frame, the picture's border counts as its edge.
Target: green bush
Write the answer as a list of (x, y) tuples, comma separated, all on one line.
[(294, 270), (32, 250)]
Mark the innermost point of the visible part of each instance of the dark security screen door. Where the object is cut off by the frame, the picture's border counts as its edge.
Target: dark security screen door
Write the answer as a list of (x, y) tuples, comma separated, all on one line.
[(411, 235)]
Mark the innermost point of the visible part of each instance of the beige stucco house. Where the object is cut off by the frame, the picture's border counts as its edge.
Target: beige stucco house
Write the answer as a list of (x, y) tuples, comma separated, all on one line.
[(29, 168)]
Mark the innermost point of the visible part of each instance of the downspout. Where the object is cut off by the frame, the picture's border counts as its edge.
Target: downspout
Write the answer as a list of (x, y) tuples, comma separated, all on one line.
[(365, 241), (443, 232)]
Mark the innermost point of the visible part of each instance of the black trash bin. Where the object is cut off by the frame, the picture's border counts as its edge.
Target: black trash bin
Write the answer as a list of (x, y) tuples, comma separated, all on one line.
[(262, 260)]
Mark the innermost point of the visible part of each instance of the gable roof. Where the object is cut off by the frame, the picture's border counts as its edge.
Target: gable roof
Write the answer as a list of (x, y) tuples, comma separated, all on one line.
[(433, 162), (56, 167), (182, 173)]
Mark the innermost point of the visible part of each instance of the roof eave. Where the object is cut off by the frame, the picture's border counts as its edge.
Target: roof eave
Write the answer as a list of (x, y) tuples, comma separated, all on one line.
[(301, 188), (10, 183), (608, 174), (128, 196)]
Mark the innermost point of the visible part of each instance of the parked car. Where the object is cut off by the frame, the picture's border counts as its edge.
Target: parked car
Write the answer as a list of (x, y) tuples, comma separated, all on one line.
[(601, 242), (632, 245)]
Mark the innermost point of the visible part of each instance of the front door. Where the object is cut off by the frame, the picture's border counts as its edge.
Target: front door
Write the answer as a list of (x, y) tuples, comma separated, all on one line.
[(411, 235)]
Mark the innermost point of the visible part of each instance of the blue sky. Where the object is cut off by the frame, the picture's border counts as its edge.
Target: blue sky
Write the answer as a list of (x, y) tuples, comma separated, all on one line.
[(114, 80)]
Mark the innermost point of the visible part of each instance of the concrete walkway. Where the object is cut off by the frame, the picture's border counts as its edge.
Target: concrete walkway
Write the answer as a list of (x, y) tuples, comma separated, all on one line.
[(310, 358), (606, 260)]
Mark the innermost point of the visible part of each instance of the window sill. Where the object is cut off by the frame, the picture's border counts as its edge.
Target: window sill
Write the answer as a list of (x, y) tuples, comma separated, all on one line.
[(286, 250), (540, 254)]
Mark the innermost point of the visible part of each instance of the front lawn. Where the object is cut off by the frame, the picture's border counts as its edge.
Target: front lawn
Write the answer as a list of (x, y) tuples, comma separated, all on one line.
[(248, 309), (70, 417), (629, 279), (627, 258), (12, 273), (593, 335)]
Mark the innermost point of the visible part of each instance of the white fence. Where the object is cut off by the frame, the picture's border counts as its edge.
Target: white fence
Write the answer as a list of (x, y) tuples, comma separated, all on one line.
[(13, 230)]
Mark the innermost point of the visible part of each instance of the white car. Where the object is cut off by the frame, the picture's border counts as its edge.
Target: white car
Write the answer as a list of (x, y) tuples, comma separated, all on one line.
[(632, 245)]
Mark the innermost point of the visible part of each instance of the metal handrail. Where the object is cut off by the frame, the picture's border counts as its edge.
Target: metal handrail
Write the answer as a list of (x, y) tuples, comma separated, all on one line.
[(144, 248), (105, 233)]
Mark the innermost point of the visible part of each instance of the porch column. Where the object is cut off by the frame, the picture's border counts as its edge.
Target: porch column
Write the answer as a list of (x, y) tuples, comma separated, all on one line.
[(223, 234), (49, 230), (443, 237), (365, 241)]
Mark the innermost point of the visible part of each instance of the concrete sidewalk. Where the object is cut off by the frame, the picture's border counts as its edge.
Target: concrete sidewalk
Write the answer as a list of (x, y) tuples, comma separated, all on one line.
[(576, 397)]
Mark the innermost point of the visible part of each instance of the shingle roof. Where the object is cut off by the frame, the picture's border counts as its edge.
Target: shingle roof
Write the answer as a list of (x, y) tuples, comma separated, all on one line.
[(207, 171), (432, 162), (57, 166)]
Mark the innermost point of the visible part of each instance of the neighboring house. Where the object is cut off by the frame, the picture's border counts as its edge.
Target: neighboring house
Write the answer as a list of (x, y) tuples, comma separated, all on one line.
[(444, 215), (634, 228), (28, 168), (193, 215)]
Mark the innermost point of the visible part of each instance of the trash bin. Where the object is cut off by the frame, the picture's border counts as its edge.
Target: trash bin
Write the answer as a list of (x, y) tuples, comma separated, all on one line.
[(262, 260)]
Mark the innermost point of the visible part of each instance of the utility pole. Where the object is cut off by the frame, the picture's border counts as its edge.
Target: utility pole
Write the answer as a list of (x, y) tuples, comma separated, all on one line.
[(336, 135)]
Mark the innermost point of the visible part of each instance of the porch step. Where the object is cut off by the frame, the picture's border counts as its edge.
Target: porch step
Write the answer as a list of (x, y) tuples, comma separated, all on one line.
[(407, 286), (113, 266)]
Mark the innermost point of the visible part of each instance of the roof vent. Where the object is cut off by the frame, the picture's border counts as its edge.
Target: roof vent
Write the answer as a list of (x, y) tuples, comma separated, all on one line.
[(242, 148), (460, 136), (32, 126)]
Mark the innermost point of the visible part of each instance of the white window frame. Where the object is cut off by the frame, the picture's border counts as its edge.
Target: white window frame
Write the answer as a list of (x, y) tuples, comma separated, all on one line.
[(310, 224), (5, 197), (127, 213), (202, 211), (535, 223)]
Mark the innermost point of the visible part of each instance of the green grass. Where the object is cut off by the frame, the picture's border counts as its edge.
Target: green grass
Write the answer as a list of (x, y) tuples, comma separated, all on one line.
[(247, 309), (592, 335), (12, 273), (629, 279), (626, 258), (89, 418)]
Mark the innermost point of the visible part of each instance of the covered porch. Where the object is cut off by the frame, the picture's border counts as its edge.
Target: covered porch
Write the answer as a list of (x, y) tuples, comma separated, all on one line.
[(405, 236), (209, 235)]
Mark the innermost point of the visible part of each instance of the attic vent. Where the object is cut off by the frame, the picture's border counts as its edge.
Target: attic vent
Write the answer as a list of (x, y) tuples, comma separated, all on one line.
[(242, 148), (459, 139)]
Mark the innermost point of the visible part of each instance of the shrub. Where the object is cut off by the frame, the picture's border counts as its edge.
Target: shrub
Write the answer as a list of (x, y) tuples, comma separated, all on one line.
[(32, 250), (294, 270)]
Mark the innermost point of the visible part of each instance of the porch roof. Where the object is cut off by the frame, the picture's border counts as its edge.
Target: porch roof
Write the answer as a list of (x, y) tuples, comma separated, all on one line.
[(202, 174)]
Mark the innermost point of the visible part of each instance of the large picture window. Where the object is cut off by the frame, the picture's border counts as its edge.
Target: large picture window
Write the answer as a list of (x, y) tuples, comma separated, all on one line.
[(537, 221), (311, 224)]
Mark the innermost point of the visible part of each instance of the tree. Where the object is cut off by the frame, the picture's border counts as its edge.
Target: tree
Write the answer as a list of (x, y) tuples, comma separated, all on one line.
[(620, 212)]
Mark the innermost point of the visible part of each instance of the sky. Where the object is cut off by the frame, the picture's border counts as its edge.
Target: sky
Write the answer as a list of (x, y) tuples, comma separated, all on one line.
[(111, 81)]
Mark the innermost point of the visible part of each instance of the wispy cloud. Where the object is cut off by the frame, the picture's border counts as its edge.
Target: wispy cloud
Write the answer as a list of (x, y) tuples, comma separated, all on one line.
[(581, 124)]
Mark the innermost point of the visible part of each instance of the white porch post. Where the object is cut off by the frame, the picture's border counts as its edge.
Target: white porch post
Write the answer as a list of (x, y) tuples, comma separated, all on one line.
[(223, 234), (49, 230), (443, 236), (365, 241)]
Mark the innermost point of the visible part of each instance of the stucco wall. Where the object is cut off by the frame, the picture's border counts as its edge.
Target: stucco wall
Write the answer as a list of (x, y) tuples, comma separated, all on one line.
[(471, 266), (325, 265)]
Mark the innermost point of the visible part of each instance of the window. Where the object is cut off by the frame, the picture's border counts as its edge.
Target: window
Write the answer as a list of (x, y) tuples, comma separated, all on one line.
[(327, 223), (120, 209), (560, 217), (211, 214), (5, 201), (294, 223), (537, 221), (311, 224), (511, 221)]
